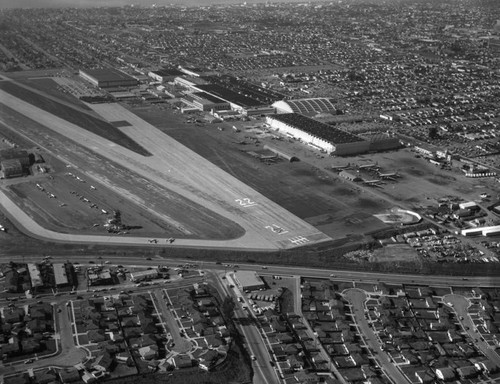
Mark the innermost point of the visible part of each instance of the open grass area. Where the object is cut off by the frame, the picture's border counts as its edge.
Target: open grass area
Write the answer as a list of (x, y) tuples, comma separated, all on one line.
[(83, 120)]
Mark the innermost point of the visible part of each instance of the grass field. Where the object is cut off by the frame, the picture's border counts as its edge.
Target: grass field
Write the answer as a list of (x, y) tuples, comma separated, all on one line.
[(74, 116)]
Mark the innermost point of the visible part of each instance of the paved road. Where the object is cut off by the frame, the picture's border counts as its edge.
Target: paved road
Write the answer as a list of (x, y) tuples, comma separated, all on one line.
[(264, 373), (460, 304), (356, 276), (356, 298), (183, 172)]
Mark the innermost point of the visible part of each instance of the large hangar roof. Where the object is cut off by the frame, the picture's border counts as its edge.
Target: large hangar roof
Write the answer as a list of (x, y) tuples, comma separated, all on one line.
[(313, 127), (306, 106)]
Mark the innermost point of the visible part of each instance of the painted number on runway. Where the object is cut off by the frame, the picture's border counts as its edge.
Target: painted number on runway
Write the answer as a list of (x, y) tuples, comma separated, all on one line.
[(276, 229), (246, 202), (299, 240)]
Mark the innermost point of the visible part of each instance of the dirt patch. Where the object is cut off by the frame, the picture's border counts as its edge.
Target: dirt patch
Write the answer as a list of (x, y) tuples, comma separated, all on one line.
[(391, 253)]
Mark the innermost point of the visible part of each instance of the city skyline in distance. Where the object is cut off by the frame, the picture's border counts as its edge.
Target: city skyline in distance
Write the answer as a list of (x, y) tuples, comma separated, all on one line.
[(8, 4)]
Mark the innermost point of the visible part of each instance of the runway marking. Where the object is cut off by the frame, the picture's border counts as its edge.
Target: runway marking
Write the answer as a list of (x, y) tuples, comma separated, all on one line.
[(299, 240), (246, 202), (276, 229)]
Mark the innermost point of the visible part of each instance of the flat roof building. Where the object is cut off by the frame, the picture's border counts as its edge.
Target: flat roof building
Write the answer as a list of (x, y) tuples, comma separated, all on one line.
[(248, 280), (144, 275), (308, 106), (35, 277), (60, 275), (108, 78)]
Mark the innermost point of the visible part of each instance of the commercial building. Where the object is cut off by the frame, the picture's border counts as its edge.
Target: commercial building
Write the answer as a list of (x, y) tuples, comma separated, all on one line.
[(318, 135), (11, 168), (248, 280), (35, 277), (108, 78), (60, 274), (144, 275)]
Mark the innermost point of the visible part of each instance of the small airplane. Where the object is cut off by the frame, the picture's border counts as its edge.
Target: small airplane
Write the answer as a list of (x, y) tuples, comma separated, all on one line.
[(2, 228), (155, 241), (95, 225), (52, 196), (171, 240), (63, 204), (373, 183), (92, 187), (103, 211)]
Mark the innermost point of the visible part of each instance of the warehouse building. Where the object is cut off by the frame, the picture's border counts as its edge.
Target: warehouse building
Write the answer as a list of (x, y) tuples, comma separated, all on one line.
[(35, 277), (248, 280), (11, 168), (60, 275), (108, 78), (144, 275), (319, 135)]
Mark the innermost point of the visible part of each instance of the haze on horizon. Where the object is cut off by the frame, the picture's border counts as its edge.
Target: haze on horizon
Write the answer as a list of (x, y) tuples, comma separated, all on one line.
[(118, 3)]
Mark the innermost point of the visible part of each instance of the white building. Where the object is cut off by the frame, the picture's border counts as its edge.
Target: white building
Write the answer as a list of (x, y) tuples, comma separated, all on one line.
[(144, 275)]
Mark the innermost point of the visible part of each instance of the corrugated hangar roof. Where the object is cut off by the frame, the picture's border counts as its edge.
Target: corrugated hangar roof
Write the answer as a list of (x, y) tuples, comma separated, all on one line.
[(305, 106)]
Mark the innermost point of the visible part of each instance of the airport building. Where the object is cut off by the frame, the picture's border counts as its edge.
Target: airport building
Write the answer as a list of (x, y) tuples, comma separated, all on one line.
[(205, 102), (108, 78), (35, 277), (248, 280), (165, 75), (308, 107), (11, 168), (60, 275), (144, 275), (318, 135), (15, 154)]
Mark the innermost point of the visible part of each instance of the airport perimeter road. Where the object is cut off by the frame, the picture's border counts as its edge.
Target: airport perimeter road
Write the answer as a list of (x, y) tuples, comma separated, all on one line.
[(176, 168), (460, 304), (356, 298)]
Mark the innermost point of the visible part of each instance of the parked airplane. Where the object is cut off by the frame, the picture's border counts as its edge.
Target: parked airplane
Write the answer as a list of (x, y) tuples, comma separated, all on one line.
[(103, 211), (92, 187), (171, 240), (373, 183), (2, 228), (153, 241)]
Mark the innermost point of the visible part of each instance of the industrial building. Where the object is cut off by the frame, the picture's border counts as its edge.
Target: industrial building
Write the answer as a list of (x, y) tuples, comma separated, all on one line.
[(35, 277), (310, 106), (108, 78), (484, 231), (319, 135), (205, 102), (165, 75), (11, 168), (248, 280), (60, 275), (144, 275)]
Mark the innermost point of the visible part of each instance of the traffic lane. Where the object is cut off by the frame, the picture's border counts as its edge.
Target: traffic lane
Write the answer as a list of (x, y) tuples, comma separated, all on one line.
[(356, 298)]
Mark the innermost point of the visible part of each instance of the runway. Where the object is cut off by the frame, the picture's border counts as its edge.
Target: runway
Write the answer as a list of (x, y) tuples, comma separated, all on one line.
[(176, 168)]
